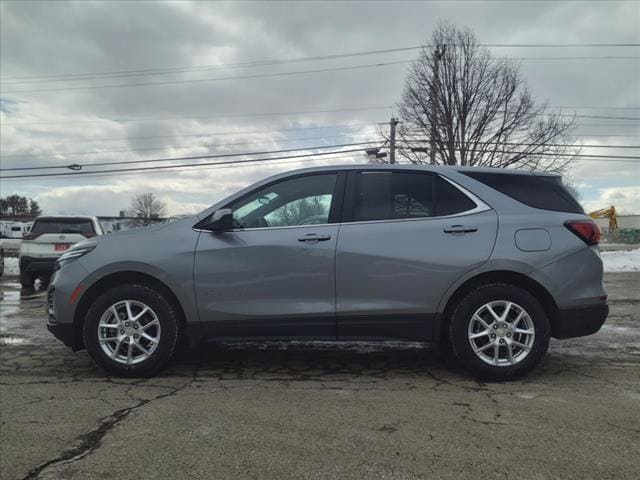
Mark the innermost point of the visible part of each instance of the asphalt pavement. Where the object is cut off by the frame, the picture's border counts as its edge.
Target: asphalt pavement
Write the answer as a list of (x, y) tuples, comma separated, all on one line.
[(317, 411)]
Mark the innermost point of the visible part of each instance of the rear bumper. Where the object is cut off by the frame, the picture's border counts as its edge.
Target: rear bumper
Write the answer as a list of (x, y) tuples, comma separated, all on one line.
[(580, 321), (37, 264)]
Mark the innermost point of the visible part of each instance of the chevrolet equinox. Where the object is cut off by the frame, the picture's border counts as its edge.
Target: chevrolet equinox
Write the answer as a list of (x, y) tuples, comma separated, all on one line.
[(491, 262)]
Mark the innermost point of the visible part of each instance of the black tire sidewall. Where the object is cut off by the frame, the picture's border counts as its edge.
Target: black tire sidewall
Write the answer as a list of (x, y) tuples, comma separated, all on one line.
[(471, 303), (166, 317)]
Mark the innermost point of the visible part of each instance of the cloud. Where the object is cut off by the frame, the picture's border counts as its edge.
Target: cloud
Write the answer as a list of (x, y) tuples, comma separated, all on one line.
[(59, 128), (625, 199)]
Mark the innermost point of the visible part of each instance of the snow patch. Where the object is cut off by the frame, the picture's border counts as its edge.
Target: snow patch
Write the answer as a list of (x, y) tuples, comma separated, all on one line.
[(11, 266), (621, 260)]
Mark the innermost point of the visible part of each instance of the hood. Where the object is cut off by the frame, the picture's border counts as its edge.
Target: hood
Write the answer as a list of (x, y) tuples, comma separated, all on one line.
[(141, 232)]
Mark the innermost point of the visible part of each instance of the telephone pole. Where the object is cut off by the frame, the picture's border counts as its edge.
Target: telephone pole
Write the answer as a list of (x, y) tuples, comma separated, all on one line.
[(435, 87), (392, 140)]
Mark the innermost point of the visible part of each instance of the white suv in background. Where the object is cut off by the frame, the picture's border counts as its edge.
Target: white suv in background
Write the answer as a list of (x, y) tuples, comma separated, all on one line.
[(49, 238)]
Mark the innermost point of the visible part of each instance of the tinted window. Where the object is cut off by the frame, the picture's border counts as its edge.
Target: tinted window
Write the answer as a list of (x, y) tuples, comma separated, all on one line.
[(398, 195), (450, 200), (545, 192), (298, 201), (62, 225)]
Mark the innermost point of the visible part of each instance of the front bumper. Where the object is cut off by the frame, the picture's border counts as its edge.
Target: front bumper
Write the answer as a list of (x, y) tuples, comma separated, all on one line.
[(63, 332), (37, 264), (580, 321)]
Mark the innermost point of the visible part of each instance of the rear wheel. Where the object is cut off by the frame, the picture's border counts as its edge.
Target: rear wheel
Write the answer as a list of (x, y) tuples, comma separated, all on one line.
[(131, 330), (499, 332)]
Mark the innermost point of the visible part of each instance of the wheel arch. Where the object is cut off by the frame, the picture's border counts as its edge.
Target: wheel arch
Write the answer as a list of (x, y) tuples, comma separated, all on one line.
[(119, 278), (502, 276)]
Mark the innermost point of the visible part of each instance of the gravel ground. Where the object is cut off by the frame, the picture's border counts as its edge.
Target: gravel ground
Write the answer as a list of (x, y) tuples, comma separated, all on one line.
[(319, 410)]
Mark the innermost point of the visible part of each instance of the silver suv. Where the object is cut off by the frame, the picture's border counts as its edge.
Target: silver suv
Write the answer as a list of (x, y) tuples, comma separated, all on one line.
[(492, 262)]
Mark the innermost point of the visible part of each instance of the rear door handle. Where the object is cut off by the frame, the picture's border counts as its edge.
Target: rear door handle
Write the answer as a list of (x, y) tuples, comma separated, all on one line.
[(460, 229), (314, 238)]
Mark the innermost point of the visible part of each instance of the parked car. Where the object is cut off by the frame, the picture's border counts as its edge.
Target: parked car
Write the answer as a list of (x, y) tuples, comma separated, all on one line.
[(49, 238), (493, 262)]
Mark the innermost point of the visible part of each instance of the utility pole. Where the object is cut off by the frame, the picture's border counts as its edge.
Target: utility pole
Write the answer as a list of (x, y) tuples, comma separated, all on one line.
[(392, 140), (435, 87)]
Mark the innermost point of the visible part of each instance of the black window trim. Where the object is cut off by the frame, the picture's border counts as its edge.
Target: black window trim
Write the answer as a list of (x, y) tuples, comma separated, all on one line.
[(350, 203)]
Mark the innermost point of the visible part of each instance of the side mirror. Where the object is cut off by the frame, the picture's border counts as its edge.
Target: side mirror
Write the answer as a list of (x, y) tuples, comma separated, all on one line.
[(220, 220)]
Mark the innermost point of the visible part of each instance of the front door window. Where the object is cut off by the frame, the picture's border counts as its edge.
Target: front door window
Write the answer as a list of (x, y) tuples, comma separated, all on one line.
[(303, 200)]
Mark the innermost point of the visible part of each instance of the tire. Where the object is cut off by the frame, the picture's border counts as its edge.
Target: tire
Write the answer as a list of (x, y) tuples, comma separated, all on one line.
[(518, 353), (159, 322), (26, 280)]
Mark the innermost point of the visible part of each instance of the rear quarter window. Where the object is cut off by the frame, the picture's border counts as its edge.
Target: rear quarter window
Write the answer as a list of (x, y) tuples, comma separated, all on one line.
[(544, 192)]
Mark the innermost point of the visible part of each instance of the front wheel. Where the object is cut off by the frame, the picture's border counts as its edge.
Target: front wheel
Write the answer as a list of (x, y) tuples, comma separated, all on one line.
[(131, 330), (499, 332)]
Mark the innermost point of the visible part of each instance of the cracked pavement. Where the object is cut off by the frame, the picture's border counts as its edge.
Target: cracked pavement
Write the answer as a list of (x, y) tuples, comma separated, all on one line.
[(319, 410)]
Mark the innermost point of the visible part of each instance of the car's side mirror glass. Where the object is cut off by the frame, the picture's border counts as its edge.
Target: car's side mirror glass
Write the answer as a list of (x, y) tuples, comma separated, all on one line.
[(220, 220)]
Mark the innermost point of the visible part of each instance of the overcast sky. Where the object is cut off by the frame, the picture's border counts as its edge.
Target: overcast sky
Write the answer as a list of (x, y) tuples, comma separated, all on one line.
[(215, 110)]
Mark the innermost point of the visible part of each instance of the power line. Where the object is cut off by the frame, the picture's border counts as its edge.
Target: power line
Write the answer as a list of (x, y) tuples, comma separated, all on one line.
[(231, 164), (215, 79), (174, 147), (198, 117), (303, 112), (69, 176), (177, 70), (287, 140), (200, 157), (573, 155), (247, 77), (254, 63), (588, 135), (604, 117), (193, 157), (169, 167), (269, 62), (568, 145), (593, 107)]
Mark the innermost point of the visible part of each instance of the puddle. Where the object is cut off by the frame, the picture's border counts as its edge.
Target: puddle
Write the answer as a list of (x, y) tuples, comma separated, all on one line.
[(22, 314)]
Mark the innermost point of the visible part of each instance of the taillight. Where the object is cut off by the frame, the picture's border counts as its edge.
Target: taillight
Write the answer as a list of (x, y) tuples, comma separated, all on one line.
[(588, 230), (88, 234)]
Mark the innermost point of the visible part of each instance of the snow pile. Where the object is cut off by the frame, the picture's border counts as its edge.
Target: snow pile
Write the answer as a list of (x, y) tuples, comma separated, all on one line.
[(11, 266), (621, 261)]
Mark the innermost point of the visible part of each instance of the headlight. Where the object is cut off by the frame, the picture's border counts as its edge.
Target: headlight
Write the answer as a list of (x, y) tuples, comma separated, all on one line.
[(72, 255)]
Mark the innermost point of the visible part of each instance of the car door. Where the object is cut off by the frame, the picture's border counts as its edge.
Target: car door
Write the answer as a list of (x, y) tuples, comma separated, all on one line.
[(406, 238), (273, 274)]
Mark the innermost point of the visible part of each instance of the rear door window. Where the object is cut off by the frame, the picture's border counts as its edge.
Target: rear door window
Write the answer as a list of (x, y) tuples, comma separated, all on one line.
[(544, 192), (66, 225), (406, 195)]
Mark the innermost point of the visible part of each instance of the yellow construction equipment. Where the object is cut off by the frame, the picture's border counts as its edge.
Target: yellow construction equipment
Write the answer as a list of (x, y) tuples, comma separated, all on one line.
[(609, 213)]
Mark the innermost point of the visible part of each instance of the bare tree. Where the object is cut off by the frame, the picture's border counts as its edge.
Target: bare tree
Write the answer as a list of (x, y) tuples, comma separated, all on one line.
[(476, 110), (146, 208), (294, 213)]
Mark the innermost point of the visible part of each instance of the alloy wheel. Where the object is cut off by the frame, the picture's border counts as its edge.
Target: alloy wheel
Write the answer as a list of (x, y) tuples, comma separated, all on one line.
[(129, 332), (501, 333)]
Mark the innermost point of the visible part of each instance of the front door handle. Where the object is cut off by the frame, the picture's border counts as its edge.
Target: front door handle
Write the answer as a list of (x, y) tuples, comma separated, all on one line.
[(459, 229), (314, 238)]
